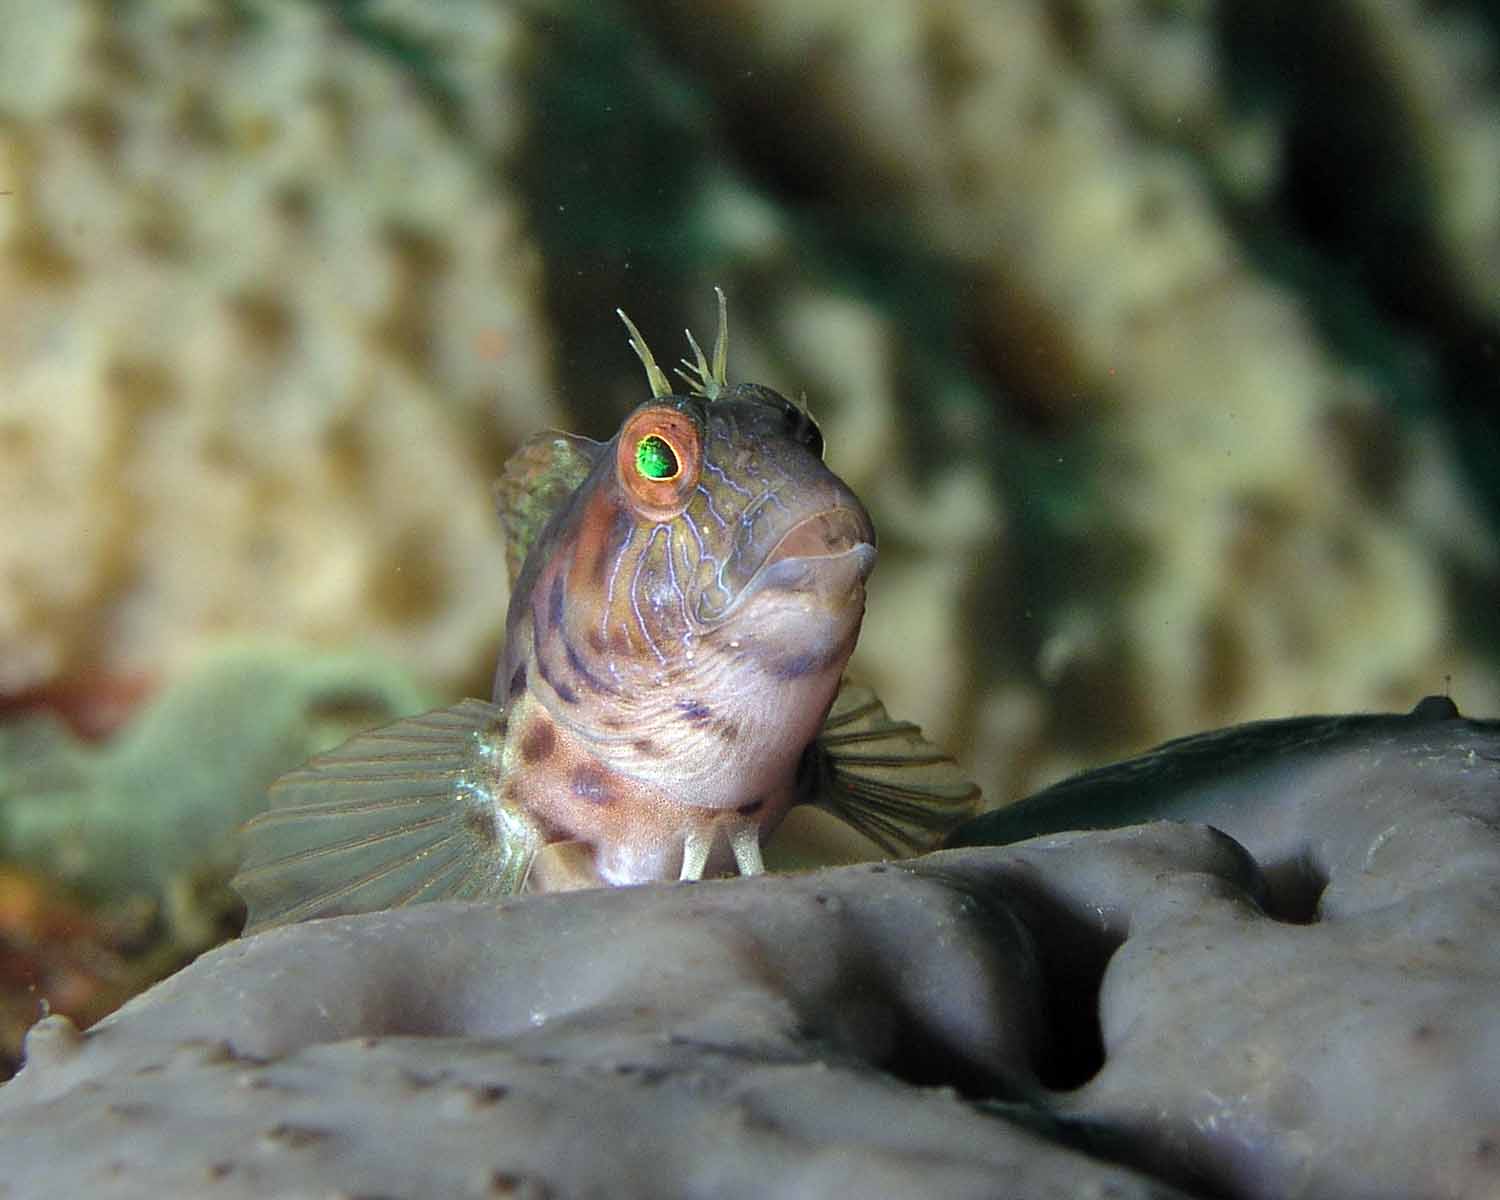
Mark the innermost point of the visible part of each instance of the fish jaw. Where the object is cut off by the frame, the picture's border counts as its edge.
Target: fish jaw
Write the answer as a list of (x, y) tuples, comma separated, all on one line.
[(621, 828)]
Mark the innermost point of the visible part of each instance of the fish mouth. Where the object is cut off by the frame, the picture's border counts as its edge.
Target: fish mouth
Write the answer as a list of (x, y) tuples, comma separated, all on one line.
[(833, 533), (831, 553)]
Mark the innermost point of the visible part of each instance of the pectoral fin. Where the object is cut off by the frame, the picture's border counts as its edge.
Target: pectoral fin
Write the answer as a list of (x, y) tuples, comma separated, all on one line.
[(884, 779), (399, 815)]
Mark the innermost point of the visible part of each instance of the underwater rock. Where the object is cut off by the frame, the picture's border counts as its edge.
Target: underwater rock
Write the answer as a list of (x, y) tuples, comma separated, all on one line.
[(1141, 1007), (665, 1041)]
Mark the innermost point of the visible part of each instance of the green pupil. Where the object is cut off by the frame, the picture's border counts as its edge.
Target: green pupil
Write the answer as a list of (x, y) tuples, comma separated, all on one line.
[(654, 458)]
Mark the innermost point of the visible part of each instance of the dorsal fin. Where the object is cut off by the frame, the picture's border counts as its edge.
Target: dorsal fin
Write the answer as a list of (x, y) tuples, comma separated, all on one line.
[(547, 468)]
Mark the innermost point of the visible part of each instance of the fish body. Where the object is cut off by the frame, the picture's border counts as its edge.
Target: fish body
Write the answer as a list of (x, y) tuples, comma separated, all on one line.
[(684, 600)]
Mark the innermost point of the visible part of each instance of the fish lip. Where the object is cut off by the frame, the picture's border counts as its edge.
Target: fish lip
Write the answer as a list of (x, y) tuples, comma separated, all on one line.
[(815, 572), (831, 533)]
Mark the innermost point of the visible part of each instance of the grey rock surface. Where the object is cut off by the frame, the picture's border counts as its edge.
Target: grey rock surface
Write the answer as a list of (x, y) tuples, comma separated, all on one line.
[(723, 1039), (1154, 1009)]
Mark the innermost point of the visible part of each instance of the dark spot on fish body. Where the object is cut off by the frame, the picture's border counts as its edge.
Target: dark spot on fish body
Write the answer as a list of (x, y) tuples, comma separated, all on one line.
[(583, 673), (798, 665), (564, 693), (517, 681), (538, 742), (728, 730), (590, 782), (555, 598), (694, 710), (754, 806), (646, 748), (480, 821)]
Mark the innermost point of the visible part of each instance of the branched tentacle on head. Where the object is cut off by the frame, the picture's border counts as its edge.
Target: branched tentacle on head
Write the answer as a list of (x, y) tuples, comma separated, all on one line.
[(709, 380)]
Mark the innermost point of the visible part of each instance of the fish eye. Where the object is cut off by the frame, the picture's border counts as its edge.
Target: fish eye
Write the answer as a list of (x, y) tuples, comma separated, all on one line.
[(658, 459), (655, 458)]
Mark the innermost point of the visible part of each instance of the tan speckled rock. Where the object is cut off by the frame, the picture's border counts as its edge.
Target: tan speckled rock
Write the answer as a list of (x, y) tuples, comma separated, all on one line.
[(268, 325)]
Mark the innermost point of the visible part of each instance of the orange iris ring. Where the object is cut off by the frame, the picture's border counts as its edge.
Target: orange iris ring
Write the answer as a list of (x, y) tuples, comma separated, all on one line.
[(660, 499)]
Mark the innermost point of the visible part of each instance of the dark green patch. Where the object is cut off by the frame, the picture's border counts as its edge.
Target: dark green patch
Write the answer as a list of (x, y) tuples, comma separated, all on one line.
[(654, 459)]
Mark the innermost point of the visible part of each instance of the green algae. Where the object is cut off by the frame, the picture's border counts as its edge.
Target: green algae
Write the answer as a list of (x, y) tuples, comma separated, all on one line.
[(155, 809)]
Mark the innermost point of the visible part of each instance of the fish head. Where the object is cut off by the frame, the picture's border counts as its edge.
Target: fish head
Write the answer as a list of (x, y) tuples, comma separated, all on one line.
[(713, 527)]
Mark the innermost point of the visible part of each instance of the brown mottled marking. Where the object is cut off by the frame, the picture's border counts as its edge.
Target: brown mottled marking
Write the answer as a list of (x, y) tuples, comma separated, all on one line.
[(615, 534), (480, 821), (591, 783), (646, 747), (538, 742), (728, 730)]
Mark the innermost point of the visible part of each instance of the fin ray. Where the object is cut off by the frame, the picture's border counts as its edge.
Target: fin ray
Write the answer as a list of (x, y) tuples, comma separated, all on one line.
[(884, 779), (404, 814), (535, 482)]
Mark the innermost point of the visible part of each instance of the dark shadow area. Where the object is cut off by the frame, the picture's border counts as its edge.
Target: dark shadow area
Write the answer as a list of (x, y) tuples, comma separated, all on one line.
[(1074, 1044), (1294, 889), (1095, 1140)]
